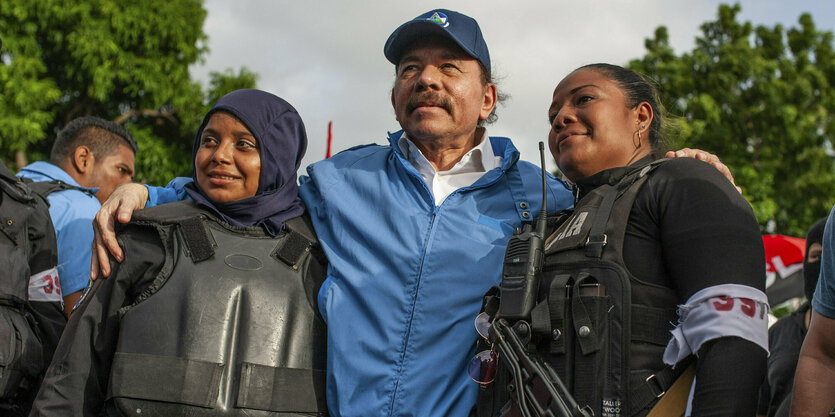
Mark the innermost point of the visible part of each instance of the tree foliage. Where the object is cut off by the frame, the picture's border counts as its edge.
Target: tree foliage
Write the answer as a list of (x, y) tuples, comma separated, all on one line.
[(123, 61), (761, 98)]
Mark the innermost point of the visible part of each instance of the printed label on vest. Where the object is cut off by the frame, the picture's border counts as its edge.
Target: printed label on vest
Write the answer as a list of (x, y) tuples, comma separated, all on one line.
[(571, 233), (45, 286), (611, 407), (574, 226)]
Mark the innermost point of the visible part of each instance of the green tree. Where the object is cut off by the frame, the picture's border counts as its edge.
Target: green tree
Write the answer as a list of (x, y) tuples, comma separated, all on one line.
[(760, 98), (124, 61)]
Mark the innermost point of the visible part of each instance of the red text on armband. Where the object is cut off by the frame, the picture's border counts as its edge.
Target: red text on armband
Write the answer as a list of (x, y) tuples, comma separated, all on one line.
[(746, 305), (51, 284), (724, 303), (45, 286)]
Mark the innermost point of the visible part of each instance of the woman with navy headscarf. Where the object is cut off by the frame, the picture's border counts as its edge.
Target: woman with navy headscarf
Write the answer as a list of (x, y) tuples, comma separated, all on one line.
[(212, 310)]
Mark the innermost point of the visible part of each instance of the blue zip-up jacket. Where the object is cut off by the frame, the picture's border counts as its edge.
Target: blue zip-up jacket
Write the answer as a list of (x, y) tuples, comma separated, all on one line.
[(406, 277)]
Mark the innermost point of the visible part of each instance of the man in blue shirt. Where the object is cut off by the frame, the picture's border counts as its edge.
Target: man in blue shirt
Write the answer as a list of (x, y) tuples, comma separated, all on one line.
[(92, 156), (814, 380)]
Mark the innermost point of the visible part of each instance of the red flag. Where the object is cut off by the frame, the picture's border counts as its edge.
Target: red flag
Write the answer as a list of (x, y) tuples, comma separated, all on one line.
[(783, 253), (330, 138)]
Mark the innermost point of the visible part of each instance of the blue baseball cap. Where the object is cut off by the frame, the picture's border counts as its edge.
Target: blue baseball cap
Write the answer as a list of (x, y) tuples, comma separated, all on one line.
[(460, 28)]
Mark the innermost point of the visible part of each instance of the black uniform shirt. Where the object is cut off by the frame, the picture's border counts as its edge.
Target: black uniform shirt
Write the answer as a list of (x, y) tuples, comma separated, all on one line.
[(690, 229), (784, 341)]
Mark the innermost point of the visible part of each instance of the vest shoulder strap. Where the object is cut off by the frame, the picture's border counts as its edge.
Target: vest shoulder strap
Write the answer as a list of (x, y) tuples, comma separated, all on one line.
[(187, 217), (674, 401), (301, 238), (597, 235), (13, 186), (45, 188), (172, 213), (303, 226)]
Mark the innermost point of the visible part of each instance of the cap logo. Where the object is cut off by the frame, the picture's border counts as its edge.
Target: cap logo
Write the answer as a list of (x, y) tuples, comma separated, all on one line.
[(439, 19)]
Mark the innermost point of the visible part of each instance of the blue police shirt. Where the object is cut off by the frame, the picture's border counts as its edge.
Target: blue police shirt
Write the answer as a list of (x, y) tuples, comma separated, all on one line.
[(72, 213)]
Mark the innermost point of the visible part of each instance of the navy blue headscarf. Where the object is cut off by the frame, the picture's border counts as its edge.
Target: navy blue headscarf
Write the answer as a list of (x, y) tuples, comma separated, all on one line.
[(282, 141)]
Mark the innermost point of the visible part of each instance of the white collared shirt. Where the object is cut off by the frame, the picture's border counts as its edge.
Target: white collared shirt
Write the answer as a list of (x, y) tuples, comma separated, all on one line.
[(475, 163)]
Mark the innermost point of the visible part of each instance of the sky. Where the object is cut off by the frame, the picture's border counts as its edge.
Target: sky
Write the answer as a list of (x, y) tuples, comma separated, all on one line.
[(326, 57)]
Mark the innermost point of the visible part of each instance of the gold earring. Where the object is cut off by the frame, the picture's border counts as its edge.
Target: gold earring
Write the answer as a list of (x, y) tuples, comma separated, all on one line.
[(639, 140)]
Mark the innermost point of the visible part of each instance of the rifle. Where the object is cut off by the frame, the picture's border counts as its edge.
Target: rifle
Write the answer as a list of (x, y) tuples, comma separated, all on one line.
[(532, 377)]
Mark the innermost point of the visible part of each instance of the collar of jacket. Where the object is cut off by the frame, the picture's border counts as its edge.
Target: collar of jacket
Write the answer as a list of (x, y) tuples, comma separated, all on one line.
[(501, 147)]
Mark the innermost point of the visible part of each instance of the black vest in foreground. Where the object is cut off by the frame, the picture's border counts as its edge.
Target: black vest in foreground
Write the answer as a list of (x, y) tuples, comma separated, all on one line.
[(230, 327), (27, 246), (601, 329)]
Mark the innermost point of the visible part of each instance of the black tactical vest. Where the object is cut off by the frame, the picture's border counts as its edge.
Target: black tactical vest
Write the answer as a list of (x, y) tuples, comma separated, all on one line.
[(601, 329), (229, 328), (21, 348)]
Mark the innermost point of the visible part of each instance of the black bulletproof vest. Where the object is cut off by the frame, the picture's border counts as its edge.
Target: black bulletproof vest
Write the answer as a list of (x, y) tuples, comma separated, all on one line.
[(21, 350), (16, 206), (601, 329), (229, 328)]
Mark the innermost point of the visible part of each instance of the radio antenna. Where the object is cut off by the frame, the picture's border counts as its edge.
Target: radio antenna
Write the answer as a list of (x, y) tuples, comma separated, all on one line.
[(541, 223), (523, 262)]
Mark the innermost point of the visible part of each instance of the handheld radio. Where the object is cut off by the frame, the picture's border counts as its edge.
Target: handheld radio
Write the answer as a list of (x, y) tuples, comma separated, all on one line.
[(523, 263)]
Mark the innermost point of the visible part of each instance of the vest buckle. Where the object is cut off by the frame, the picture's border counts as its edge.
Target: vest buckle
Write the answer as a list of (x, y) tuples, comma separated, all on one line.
[(598, 240), (655, 384), (595, 245)]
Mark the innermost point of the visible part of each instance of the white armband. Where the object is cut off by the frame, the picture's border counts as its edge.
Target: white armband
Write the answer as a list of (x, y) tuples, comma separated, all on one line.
[(719, 311), (45, 286)]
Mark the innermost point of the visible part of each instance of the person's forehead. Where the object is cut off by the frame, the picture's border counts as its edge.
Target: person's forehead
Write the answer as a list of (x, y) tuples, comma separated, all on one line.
[(581, 78), (123, 154), (222, 115), (224, 118), (445, 46)]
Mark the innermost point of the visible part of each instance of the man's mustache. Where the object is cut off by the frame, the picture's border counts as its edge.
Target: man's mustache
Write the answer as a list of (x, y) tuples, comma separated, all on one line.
[(423, 98)]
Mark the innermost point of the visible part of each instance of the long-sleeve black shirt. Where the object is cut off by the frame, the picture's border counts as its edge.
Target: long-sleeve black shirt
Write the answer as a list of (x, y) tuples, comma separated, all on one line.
[(690, 229)]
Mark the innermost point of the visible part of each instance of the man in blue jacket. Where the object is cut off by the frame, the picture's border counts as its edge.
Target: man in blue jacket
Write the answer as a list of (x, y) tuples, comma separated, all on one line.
[(415, 231)]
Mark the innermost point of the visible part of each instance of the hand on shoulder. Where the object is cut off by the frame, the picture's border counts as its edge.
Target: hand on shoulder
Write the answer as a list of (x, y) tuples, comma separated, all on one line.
[(707, 157), (124, 200)]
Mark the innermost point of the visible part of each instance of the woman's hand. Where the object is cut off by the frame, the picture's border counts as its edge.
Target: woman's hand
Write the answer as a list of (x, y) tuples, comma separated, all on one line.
[(124, 200), (708, 157)]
